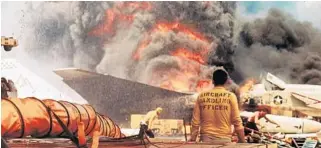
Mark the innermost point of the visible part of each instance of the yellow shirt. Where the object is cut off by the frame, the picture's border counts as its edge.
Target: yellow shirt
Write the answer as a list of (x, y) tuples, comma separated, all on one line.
[(150, 116), (214, 112)]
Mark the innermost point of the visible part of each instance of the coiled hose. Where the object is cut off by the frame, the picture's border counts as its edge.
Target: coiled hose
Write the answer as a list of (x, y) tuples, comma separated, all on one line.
[(31, 117)]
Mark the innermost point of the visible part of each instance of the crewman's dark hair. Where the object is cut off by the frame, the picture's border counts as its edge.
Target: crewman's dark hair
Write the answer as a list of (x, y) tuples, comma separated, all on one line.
[(263, 109), (219, 77)]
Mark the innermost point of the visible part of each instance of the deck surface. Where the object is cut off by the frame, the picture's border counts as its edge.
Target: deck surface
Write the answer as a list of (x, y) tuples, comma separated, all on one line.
[(155, 143)]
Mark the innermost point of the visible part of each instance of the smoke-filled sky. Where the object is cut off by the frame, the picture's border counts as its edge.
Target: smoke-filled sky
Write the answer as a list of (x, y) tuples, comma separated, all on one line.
[(247, 38), (302, 11)]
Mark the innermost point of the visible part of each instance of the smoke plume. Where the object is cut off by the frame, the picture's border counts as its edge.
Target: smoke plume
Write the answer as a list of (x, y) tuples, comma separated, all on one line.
[(281, 45), (141, 41), (58, 31)]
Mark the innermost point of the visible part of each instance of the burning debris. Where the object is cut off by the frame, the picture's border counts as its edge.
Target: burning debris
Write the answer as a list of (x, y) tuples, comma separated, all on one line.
[(173, 45)]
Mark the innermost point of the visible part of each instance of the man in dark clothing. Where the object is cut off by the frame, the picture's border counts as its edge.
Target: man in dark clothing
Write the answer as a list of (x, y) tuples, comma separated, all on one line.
[(253, 121)]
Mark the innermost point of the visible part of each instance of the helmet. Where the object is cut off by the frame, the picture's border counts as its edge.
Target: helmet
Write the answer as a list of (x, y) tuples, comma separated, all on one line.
[(159, 109)]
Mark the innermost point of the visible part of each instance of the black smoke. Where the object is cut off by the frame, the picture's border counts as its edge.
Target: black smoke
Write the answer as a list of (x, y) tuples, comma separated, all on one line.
[(57, 31), (276, 43), (214, 19), (281, 45)]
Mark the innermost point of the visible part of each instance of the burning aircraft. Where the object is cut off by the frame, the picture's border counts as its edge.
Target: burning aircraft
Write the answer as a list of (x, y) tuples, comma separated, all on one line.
[(297, 100)]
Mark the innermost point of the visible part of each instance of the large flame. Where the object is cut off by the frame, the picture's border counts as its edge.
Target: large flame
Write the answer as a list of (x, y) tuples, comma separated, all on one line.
[(188, 77), (180, 80), (165, 27)]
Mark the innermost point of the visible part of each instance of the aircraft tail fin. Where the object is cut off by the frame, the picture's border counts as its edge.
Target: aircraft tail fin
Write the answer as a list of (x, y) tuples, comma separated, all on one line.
[(272, 82)]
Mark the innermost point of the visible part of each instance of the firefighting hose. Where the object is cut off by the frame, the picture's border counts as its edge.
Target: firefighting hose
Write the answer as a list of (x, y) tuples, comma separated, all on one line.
[(49, 118)]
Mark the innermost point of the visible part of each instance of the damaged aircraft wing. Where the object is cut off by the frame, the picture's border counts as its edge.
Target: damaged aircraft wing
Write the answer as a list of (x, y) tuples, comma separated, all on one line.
[(119, 98)]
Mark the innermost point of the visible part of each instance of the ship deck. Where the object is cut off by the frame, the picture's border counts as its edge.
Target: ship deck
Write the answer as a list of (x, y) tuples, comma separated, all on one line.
[(154, 143)]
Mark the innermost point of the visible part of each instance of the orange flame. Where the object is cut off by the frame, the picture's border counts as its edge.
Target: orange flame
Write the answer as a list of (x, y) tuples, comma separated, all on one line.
[(181, 52), (184, 80), (204, 85), (181, 80), (140, 48), (114, 16), (247, 86), (176, 84), (136, 5), (188, 78), (106, 26), (166, 27)]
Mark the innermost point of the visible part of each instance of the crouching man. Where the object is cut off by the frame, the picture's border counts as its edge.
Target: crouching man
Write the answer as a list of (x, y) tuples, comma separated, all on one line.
[(147, 123), (215, 112), (254, 120)]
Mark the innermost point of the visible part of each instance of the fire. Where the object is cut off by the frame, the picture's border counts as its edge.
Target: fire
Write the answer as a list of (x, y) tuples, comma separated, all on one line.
[(140, 48), (116, 16), (184, 80), (165, 27), (136, 5), (246, 87), (107, 26), (188, 77), (176, 83), (182, 52), (170, 79), (204, 85)]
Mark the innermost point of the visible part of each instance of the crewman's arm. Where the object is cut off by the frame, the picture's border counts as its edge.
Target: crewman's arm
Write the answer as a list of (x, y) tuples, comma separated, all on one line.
[(195, 121), (236, 119), (271, 121), (256, 118)]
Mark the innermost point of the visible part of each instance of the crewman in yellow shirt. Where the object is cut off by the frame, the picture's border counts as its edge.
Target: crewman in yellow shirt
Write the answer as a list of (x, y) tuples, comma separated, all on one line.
[(215, 112), (147, 123)]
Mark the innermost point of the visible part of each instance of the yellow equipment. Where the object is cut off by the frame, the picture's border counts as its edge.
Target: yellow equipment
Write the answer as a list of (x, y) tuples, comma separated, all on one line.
[(162, 127), (8, 43)]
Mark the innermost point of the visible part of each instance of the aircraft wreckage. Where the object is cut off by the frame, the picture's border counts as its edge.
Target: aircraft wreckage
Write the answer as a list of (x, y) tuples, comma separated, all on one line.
[(106, 93)]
